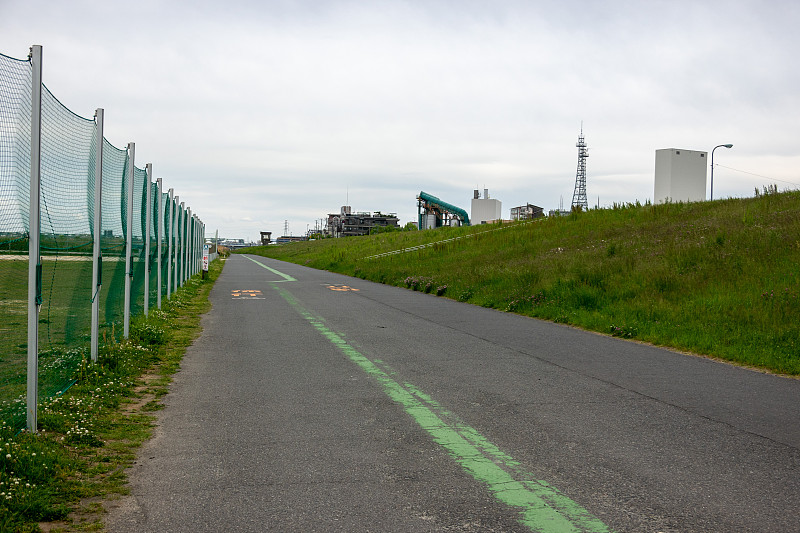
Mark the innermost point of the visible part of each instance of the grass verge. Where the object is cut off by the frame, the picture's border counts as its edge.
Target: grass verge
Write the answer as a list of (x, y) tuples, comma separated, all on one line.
[(718, 278), (56, 480)]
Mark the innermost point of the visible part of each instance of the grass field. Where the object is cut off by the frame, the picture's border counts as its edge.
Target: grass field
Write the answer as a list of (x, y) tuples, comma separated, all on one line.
[(720, 279), (64, 319), (57, 479)]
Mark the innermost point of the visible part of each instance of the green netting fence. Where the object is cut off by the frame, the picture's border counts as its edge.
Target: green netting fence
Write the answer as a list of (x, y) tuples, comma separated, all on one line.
[(95, 272)]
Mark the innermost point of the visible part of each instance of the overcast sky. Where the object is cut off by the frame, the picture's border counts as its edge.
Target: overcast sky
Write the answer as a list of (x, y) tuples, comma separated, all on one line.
[(268, 111)]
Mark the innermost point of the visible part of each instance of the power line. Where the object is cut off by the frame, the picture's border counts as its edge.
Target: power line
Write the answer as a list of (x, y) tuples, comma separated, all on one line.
[(758, 175)]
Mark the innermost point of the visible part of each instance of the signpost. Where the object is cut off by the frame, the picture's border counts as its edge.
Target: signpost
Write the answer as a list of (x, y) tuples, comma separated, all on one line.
[(205, 260)]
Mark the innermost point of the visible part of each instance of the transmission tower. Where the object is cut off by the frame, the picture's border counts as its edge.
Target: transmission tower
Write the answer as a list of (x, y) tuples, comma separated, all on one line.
[(579, 196)]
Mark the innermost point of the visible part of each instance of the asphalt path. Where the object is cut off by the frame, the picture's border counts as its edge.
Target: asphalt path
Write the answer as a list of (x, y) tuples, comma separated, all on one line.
[(318, 402)]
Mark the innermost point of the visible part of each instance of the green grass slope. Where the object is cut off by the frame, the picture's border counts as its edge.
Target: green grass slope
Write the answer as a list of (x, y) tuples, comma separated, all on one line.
[(719, 279)]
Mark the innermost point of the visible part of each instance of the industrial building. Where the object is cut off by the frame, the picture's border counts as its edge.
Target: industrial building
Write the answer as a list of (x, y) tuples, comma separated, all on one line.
[(349, 224), (526, 212), (680, 175), (485, 209), (434, 213)]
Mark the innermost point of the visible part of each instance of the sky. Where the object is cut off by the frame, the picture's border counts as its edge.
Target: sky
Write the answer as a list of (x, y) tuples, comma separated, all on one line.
[(263, 114)]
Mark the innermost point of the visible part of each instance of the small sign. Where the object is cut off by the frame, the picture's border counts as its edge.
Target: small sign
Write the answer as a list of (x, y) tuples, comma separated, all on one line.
[(205, 257)]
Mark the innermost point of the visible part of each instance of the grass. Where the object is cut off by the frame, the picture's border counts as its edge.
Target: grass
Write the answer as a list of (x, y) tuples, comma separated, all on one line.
[(89, 435), (64, 320), (719, 278)]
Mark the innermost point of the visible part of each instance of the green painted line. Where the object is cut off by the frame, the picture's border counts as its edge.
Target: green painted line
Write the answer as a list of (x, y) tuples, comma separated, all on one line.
[(543, 508), (286, 277)]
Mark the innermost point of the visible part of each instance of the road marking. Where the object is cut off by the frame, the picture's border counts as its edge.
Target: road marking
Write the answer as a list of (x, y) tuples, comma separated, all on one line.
[(286, 277), (543, 508), (342, 288), (247, 294)]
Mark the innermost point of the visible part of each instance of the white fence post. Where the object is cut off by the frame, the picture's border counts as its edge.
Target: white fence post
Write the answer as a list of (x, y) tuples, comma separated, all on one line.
[(175, 233), (194, 245), (148, 225), (97, 280), (170, 206), (160, 238), (129, 242), (183, 244), (34, 264), (187, 272)]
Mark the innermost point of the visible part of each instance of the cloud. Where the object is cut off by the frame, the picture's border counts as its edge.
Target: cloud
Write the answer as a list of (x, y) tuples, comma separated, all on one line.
[(262, 112)]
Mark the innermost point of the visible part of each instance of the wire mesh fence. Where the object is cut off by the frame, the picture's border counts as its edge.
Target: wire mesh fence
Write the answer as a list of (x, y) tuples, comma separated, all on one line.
[(132, 235), (15, 114)]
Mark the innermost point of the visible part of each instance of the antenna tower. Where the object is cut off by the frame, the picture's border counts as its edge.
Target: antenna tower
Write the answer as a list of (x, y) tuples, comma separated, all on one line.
[(579, 196)]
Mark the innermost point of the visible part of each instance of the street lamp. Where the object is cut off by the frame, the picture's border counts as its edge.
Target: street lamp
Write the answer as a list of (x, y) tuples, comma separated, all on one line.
[(712, 166)]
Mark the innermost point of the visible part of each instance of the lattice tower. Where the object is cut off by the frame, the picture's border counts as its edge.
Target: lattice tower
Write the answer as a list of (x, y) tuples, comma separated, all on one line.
[(579, 196)]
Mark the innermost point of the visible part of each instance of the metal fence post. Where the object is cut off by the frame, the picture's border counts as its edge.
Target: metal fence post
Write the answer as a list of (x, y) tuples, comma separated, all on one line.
[(176, 233), (188, 256), (170, 205), (193, 262), (191, 246), (197, 246), (188, 244), (129, 243), (160, 238), (193, 249), (97, 281), (148, 225), (183, 244), (34, 264)]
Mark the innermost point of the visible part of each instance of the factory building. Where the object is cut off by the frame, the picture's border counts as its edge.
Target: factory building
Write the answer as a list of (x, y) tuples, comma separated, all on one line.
[(435, 213), (526, 212), (680, 175), (485, 209), (349, 224)]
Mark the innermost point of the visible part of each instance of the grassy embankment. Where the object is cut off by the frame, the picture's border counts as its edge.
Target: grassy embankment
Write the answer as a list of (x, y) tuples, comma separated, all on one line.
[(715, 278), (90, 434)]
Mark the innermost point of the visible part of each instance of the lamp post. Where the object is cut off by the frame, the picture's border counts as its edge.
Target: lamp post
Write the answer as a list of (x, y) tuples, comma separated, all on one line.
[(712, 166)]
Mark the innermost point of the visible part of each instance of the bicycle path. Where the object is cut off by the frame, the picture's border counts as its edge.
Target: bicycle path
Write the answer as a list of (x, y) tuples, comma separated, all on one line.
[(318, 402)]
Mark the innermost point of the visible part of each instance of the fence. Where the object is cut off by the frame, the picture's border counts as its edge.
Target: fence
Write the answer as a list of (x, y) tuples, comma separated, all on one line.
[(87, 240)]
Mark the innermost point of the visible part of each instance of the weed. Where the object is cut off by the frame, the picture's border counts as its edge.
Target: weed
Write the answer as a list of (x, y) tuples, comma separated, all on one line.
[(624, 331)]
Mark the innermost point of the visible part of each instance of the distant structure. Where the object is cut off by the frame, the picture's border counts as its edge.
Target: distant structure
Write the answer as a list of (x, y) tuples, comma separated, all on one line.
[(485, 209), (234, 244), (680, 175), (526, 212), (579, 195), (349, 224), (434, 213), (286, 239), (266, 238), (560, 212)]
